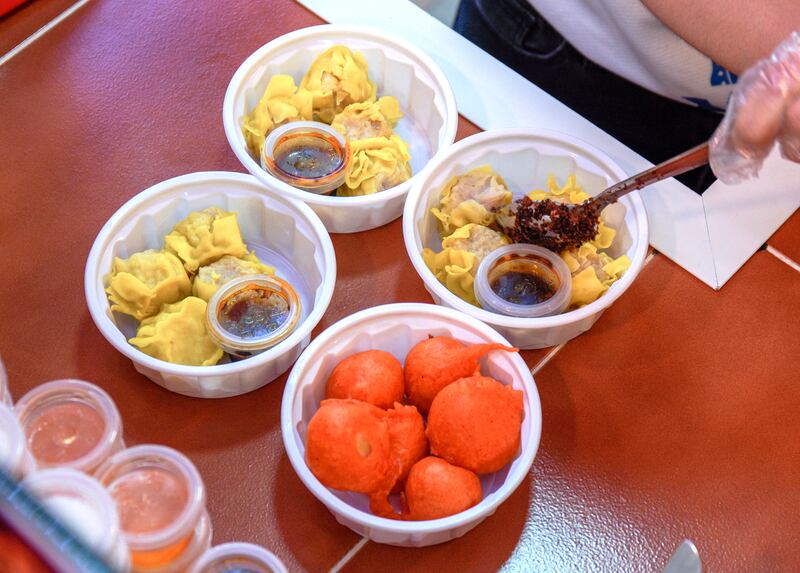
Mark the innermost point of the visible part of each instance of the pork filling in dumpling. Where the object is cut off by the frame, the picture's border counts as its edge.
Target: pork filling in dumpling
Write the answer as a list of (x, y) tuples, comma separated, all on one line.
[(471, 198), (475, 239), (210, 277), (336, 79), (368, 119)]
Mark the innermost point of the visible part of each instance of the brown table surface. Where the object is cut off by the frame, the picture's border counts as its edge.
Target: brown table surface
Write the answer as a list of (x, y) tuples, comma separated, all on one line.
[(675, 416)]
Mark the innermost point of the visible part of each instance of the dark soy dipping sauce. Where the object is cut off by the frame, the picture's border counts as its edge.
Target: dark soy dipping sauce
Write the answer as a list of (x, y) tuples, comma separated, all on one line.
[(308, 155), (523, 280), (253, 312)]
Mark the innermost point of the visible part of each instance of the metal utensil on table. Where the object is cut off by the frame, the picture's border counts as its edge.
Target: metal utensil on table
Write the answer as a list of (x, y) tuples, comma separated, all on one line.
[(686, 559), (560, 226)]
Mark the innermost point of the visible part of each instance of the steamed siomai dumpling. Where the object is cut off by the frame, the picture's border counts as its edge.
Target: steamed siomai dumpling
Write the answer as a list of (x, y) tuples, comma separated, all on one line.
[(210, 277), (178, 334), (205, 236), (140, 284), (282, 102), (476, 239), (336, 79), (376, 164), (471, 198), (462, 251), (368, 119), (455, 269), (592, 272)]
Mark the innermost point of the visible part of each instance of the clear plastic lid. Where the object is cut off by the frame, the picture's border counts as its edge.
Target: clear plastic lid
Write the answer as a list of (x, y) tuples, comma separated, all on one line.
[(70, 423), (308, 155), (242, 313), (525, 281), (85, 507), (238, 558)]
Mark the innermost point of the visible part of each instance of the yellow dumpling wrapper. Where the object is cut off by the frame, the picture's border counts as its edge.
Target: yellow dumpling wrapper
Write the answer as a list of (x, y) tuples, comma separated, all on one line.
[(467, 212), (476, 239), (455, 269), (587, 250), (605, 236), (616, 268), (570, 257), (210, 277), (470, 198), (140, 284), (376, 164), (368, 119), (336, 79), (205, 236), (281, 103), (178, 335), (586, 287), (571, 192), (538, 195), (592, 269)]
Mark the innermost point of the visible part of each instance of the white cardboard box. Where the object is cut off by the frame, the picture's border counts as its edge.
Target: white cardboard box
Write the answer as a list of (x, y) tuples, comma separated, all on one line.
[(710, 235)]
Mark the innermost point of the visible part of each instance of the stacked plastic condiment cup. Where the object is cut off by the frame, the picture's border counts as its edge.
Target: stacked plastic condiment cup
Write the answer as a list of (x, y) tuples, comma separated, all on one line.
[(161, 500), (142, 509), (238, 557), (86, 508), (70, 424)]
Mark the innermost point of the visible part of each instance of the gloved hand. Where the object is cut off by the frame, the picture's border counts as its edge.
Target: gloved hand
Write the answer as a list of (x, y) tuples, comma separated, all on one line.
[(764, 108)]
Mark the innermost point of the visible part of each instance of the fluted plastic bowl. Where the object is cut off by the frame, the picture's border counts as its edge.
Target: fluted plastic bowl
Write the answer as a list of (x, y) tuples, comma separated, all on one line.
[(398, 69), (283, 232), (525, 158), (396, 328)]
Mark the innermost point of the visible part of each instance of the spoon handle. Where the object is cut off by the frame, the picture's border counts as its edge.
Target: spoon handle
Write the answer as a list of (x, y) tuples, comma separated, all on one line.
[(682, 163)]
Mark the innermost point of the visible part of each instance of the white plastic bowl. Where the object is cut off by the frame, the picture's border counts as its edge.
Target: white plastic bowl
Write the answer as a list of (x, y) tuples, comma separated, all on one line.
[(284, 233), (396, 328), (397, 68), (524, 158)]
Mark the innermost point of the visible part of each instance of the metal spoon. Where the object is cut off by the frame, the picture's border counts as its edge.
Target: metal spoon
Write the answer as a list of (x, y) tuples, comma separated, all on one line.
[(685, 559), (560, 226)]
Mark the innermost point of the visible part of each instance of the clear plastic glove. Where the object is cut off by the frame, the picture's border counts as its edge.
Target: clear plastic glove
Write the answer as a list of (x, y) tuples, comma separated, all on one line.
[(763, 109)]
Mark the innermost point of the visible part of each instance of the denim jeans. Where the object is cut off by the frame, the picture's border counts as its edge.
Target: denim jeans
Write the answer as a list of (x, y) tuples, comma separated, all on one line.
[(652, 125)]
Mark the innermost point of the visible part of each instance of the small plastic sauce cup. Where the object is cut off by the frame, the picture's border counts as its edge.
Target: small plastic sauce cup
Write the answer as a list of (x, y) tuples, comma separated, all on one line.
[(525, 281), (308, 155), (161, 501), (252, 313), (238, 558), (83, 506), (14, 456), (70, 423)]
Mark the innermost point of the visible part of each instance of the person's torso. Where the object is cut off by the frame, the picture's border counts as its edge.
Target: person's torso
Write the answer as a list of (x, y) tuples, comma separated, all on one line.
[(624, 37)]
